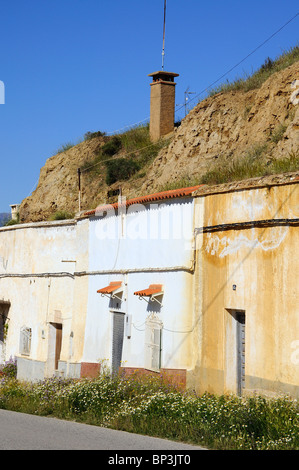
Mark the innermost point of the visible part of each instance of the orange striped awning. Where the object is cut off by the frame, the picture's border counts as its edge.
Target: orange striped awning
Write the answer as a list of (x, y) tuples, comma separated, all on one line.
[(113, 286), (152, 289)]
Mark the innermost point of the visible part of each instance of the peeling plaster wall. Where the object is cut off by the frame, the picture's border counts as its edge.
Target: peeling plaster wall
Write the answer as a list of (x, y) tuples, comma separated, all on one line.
[(50, 273), (37, 262), (150, 244), (255, 271)]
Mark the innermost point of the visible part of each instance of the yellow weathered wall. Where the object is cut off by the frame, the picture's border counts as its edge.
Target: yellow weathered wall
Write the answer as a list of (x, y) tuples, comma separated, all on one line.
[(263, 265)]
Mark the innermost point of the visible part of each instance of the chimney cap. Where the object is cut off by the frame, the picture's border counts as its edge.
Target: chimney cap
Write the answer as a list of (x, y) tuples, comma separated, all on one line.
[(162, 72)]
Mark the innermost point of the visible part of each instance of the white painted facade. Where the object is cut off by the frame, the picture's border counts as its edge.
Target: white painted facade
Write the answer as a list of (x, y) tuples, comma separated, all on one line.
[(51, 271), (215, 256), (36, 279), (141, 248)]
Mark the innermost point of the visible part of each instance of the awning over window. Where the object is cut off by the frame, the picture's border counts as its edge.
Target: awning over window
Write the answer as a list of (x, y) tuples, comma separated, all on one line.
[(112, 288), (153, 289)]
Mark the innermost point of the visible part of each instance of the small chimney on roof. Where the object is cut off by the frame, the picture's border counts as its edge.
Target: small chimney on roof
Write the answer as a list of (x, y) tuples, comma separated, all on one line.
[(162, 105), (14, 211)]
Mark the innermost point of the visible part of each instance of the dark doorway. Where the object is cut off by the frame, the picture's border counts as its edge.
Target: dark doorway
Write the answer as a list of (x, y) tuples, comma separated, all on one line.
[(4, 308), (117, 341), (240, 317)]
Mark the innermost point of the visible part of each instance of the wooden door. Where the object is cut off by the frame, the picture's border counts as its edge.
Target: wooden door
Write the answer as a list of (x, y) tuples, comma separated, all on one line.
[(58, 327)]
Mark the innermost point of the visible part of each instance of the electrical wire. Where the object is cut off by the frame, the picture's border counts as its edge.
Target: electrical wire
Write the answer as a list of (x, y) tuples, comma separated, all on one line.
[(220, 78), (131, 126), (117, 158), (243, 60), (178, 331), (196, 96)]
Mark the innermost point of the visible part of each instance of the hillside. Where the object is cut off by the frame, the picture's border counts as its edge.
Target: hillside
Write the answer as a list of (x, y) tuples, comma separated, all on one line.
[(4, 217), (232, 135)]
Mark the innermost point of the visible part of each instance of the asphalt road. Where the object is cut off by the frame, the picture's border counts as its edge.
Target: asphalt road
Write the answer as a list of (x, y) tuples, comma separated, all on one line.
[(20, 431)]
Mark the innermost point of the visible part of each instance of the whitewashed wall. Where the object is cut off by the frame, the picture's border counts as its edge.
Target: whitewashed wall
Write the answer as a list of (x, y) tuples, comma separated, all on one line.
[(36, 277), (50, 272), (151, 246)]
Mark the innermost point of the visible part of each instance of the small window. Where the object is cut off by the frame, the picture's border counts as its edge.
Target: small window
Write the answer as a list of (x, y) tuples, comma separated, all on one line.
[(25, 341), (153, 331)]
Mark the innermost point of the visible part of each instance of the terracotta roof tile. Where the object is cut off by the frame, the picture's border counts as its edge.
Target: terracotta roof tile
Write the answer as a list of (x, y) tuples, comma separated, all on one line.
[(111, 288), (171, 194), (152, 289)]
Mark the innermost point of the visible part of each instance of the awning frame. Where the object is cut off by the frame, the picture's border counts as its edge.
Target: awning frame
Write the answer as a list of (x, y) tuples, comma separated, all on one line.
[(152, 297), (113, 294)]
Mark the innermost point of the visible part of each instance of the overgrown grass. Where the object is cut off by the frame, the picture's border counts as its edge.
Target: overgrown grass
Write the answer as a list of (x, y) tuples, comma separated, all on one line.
[(277, 133), (12, 222), (252, 164), (255, 80), (65, 147), (149, 406), (248, 165), (124, 155), (91, 135), (61, 215), (185, 182)]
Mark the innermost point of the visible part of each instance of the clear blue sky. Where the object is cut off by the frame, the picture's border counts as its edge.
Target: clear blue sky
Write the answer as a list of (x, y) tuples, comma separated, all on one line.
[(72, 66)]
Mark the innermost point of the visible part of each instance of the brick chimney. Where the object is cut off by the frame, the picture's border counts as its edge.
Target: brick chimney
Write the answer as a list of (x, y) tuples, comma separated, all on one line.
[(162, 104)]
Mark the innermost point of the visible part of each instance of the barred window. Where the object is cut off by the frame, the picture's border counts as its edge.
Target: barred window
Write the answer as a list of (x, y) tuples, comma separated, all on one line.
[(25, 340)]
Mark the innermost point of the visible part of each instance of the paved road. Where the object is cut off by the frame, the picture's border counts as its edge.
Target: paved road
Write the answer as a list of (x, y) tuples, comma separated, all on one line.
[(20, 431)]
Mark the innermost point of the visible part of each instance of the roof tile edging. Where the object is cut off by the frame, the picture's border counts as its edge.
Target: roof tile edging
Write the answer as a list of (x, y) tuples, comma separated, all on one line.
[(200, 190), (170, 194)]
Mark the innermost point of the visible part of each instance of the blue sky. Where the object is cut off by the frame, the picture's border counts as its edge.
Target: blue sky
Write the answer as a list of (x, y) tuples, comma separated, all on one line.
[(72, 66)]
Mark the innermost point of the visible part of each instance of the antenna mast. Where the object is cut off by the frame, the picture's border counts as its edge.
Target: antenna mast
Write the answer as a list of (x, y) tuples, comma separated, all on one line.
[(163, 53)]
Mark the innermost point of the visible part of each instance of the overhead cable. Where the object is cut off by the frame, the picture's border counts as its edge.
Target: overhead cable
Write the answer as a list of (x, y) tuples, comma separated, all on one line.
[(243, 60)]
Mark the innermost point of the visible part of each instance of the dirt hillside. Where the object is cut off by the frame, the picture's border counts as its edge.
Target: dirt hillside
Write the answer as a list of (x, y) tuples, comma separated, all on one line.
[(219, 130)]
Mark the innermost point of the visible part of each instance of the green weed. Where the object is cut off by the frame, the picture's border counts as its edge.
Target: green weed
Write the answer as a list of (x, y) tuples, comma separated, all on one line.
[(278, 132), (61, 215), (255, 80), (123, 155), (65, 147), (251, 165), (150, 406)]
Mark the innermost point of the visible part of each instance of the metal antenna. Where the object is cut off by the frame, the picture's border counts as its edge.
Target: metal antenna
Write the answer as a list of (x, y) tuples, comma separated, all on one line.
[(163, 49), (186, 93)]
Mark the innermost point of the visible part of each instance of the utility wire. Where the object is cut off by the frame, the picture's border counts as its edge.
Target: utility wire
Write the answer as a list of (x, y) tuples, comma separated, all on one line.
[(243, 60), (117, 158), (131, 126), (163, 47), (222, 76), (196, 96)]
